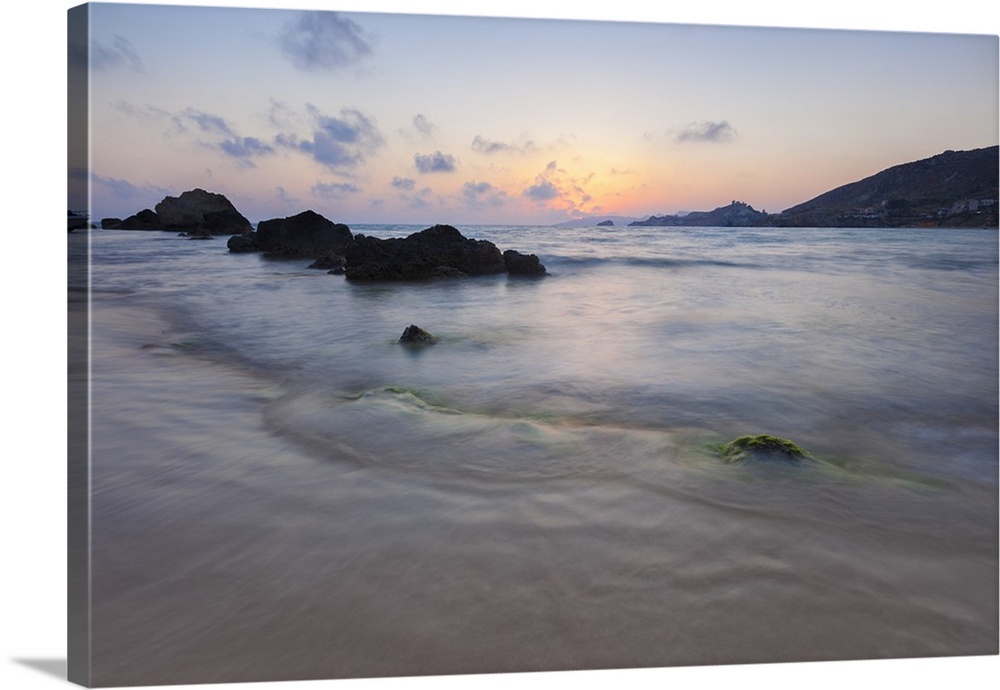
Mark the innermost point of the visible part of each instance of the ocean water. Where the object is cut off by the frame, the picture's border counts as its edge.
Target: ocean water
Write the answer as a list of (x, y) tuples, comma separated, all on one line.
[(281, 490)]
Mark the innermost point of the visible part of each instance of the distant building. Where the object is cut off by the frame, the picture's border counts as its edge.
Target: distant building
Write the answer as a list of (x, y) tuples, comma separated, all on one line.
[(972, 205)]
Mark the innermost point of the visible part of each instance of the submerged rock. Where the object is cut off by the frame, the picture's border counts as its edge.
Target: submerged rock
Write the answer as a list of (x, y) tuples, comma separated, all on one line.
[(438, 251), (763, 447), (519, 264), (330, 262), (415, 335), (305, 235)]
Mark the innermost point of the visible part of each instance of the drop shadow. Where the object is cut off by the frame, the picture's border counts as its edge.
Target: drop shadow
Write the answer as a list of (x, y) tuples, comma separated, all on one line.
[(51, 667)]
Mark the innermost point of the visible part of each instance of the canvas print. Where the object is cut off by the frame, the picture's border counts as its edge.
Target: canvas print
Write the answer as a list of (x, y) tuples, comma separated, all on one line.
[(418, 345)]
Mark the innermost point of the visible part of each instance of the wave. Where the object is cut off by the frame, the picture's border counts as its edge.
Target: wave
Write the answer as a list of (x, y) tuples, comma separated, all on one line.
[(939, 263), (643, 262), (406, 431)]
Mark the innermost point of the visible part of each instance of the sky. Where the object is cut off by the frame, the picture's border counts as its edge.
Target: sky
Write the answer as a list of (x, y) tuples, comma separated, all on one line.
[(379, 117)]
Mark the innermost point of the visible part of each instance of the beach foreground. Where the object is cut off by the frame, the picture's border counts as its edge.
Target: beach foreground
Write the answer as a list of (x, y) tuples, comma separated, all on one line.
[(280, 491)]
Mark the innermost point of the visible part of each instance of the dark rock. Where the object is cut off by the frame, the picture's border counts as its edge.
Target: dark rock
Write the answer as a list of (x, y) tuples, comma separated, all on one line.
[(242, 244), (202, 211), (143, 220), (606, 224), (519, 264), (414, 335), (306, 235), (439, 251), (330, 262), (110, 223), (448, 272)]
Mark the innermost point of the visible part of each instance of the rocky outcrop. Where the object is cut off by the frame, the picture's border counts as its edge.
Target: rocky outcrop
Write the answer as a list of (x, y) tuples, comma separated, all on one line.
[(415, 335), (145, 219), (195, 213), (606, 224), (518, 264), (200, 212), (305, 235), (243, 244), (439, 251)]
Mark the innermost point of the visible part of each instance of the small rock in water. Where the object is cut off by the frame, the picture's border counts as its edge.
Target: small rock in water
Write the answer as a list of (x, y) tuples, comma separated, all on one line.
[(415, 335), (763, 447), (243, 244), (519, 264)]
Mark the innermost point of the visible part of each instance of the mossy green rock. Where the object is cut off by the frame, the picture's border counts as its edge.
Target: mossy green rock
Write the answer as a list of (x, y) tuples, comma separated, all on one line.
[(763, 447)]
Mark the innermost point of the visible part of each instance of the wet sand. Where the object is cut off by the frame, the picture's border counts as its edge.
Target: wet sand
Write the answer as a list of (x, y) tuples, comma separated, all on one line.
[(224, 551)]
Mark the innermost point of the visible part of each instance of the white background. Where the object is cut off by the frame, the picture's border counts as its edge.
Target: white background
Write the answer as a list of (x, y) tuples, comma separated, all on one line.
[(33, 413)]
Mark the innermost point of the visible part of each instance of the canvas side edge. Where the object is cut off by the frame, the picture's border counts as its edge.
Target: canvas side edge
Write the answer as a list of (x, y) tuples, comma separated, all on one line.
[(78, 358)]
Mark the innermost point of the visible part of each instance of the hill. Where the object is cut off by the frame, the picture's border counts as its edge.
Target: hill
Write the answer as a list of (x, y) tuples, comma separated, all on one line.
[(951, 189), (736, 214), (954, 188)]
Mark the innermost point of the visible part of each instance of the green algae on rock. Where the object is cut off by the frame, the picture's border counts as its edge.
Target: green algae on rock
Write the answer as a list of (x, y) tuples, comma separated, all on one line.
[(763, 446)]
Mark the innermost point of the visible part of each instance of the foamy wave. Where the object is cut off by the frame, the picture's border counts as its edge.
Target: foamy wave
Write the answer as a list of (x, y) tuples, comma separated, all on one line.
[(398, 428)]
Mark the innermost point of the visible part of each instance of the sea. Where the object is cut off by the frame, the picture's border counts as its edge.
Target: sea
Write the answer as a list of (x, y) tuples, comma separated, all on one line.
[(281, 490)]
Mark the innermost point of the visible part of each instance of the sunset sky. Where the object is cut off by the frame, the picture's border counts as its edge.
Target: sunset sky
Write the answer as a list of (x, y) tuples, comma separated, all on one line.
[(377, 117)]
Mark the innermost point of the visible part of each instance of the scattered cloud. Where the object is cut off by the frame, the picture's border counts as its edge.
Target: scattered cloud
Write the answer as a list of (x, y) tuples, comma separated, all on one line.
[(213, 131), (150, 114), (281, 116), (245, 148), (708, 131), (120, 54), (557, 188), (406, 191), (335, 190), (419, 129), (337, 142), (225, 138), (434, 162), (208, 122), (489, 147), (424, 126), (542, 190), (324, 41), (121, 189), (480, 194)]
